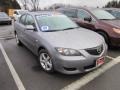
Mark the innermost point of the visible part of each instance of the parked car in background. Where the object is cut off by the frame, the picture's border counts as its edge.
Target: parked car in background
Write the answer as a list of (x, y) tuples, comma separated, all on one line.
[(59, 43), (5, 19), (114, 11), (97, 20), (18, 13)]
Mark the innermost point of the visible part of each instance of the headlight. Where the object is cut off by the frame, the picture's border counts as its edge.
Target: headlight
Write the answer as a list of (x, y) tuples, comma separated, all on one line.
[(68, 52), (116, 30)]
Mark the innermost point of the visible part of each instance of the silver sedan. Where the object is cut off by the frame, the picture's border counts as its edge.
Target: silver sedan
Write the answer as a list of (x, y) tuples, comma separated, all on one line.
[(5, 19), (59, 43)]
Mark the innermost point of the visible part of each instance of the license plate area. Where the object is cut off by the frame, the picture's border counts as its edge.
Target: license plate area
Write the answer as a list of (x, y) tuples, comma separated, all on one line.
[(100, 61)]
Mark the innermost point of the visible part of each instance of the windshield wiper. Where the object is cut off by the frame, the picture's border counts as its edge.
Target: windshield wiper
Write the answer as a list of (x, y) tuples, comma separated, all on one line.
[(107, 19), (61, 29), (51, 31), (70, 28)]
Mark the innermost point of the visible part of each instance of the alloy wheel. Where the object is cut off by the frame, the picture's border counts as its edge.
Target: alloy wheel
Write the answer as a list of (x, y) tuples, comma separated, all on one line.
[(45, 61)]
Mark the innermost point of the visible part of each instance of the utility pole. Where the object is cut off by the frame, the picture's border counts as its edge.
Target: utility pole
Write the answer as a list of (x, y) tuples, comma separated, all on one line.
[(25, 4)]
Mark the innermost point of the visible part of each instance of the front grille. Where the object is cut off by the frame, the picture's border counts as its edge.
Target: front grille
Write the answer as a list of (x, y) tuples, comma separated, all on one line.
[(90, 66), (95, 51), (69, 69)]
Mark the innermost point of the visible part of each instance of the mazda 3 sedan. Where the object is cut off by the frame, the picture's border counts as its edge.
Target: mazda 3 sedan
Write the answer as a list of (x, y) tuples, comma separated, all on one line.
[(60, 44)]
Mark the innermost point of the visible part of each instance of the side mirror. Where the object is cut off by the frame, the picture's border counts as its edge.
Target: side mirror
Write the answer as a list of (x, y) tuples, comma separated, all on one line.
[(89, 19), (30, 27)]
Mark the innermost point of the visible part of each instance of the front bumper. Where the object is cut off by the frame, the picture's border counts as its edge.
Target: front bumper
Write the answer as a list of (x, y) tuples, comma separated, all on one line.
[(6, 22), (77, 64)]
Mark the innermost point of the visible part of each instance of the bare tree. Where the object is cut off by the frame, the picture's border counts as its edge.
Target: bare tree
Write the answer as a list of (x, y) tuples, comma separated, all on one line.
[(24, 3), (31, 4), (34, 4)]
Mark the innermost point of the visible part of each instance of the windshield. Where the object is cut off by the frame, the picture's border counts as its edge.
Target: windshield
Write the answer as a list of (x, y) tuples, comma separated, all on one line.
[(116, 14), (55, 23), (2, 14), (103, 15)]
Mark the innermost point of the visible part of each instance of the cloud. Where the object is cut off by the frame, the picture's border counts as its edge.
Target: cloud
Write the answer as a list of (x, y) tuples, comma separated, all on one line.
[(89, 3)]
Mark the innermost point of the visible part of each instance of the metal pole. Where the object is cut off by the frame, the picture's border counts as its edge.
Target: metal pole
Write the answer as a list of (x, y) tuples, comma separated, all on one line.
[(25, 5)]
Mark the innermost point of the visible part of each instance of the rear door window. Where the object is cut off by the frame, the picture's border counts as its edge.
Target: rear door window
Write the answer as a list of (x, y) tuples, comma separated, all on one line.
[(82, 14), (71, 13), (29, 20), (22, 19)]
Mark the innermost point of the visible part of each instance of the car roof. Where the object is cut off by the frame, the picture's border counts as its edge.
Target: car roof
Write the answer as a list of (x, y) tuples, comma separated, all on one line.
[(44, 12), (75, 7)]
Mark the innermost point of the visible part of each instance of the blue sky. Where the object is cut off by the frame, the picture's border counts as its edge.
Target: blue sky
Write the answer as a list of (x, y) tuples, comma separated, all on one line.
[(89, 3)]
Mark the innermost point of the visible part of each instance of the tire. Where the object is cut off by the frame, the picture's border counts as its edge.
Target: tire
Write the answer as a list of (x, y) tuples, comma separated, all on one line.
[(17, 40), (45, 61), (105, 36)]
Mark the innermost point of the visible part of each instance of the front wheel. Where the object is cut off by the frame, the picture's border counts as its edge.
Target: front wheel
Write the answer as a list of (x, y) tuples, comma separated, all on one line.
[(17, 40), (46, 61)]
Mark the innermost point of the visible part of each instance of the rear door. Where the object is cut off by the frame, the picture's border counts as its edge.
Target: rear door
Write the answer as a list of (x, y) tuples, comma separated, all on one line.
[(20, 28), (30, 35), (81, 15)]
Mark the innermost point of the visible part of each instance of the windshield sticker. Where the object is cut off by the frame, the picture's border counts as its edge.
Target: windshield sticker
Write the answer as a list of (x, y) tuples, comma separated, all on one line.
[(44, 28)]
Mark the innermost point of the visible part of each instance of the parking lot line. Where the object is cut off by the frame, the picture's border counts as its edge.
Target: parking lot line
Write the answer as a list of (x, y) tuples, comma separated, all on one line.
[(12, 70), (92, 75), (6, 38), (109, 57)]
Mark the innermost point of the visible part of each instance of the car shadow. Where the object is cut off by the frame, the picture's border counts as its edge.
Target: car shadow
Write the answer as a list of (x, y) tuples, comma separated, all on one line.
[(37, 68), (114, 48)]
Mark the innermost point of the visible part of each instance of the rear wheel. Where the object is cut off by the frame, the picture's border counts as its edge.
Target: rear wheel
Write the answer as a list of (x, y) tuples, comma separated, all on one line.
[(17, 40), (45, 61)]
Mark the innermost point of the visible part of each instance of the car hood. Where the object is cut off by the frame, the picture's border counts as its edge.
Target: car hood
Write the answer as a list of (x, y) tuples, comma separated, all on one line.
[(4, 17), (74, 38), (115, 23)]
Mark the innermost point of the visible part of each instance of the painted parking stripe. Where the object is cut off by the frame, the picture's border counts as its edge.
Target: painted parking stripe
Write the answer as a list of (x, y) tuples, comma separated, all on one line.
[(109, 57), (12, 70), (91, 76), (7, 38)]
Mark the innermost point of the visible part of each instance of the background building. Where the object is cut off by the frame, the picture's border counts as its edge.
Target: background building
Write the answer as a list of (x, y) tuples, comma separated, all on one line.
[(5, 5)]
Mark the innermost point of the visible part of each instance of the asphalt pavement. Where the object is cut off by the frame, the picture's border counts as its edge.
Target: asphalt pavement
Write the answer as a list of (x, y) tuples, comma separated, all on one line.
[(6, 79), (34, 78), (28, 69), (110, 80)]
